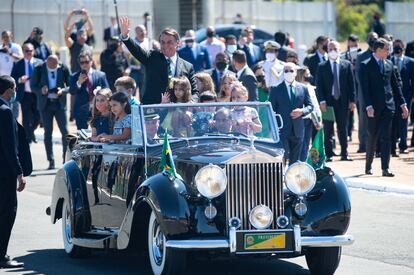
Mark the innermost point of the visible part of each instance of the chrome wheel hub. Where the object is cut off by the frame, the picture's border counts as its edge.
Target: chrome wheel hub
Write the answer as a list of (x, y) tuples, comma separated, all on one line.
[(157, 243)]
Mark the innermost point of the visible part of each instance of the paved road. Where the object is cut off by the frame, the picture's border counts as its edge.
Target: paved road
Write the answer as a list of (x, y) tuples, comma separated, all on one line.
[(381, 223)]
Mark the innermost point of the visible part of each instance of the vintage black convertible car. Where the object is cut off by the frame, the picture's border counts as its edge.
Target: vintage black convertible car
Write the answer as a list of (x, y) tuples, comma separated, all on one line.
[(232, 194)]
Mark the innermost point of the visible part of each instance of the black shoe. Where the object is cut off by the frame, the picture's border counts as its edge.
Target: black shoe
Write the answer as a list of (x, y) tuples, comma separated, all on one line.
[(368, 171), (8, 263), (361, 150), (403, 151), (395, 155), (346, 158), (335, 154), (51, 165), (387, 173), (329, 159), (34, 139)]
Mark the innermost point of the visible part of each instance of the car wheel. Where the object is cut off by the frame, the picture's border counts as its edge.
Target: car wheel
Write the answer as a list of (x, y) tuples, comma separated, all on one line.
[(163, 260), (72, 250), (323, 260)]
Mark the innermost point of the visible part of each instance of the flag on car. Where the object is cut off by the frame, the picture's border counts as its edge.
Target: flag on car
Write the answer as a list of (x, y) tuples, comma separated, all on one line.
[(316, 156), (167, 162)]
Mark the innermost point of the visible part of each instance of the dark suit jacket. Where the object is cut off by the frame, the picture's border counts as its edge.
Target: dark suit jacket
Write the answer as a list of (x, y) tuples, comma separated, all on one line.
[(252, 58), (156, 72), (202, 59), (324, 83), (248, 79), (37, 49), (18, 71), (380, 90), (40, 79), (81, 103), (312, 61), (409, 50), (407, 77), (282, 54), (281, 103), (10, 165), (215, 76)]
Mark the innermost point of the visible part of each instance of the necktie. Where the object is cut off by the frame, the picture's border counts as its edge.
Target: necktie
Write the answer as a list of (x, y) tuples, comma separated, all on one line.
[(220, 76), (30, 68), (90, 90), (52, 74), (336, 91), (169, 68), (292, 94), (399, 64), (323, 58), (381, 65)]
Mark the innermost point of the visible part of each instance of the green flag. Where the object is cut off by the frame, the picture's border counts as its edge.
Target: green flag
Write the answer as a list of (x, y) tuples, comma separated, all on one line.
[(316, 156), (167, 162)]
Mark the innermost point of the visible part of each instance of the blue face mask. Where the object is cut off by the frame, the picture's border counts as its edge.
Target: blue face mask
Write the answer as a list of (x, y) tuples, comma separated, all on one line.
[(13, 99)]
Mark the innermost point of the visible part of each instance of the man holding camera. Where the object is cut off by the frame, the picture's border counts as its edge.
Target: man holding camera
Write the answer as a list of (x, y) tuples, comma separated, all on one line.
[(41, 49), (82, 85), (49, 82)]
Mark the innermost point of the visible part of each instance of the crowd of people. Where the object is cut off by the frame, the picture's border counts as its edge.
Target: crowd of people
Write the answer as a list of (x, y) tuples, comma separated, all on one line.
[(331, 86)]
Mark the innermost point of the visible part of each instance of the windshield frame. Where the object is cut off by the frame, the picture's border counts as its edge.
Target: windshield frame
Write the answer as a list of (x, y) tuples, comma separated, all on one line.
[(274, 128)]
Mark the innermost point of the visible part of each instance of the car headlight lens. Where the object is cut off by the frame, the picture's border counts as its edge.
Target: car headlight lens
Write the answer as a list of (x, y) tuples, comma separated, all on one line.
[(300, 178), (211, 181), (261, 217)]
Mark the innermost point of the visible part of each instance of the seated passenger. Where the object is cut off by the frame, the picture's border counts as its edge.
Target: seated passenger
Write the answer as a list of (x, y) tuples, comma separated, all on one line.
[(152, 124), (178, 121), (203, 116), (128, 86), (245, 119), (122, 112), (222, 121), (102, 120)]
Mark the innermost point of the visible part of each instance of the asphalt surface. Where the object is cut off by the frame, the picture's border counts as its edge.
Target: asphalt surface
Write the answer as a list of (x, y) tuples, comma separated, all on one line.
[(381, 224)]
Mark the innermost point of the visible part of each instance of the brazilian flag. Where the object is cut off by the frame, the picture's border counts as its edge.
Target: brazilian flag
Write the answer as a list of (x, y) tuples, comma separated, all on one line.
[(167, 162), (316, 156)]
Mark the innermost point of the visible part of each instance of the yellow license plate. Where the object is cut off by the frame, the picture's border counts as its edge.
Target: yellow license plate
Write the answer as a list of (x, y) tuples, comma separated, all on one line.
[(261, 241)]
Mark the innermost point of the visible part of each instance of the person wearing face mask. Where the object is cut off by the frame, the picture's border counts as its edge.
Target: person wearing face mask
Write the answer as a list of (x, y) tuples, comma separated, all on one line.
[(221, 68), (405, 66), (320, 55), (194, 53), (272, 67), (362, 118), (12, 168), (213, 45), (231, 46), (49, 83), (114, 62), (335, 87), (291, 100)]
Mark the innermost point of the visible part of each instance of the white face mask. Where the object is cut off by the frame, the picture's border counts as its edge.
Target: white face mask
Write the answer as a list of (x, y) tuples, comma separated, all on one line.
[(333, 55), (270, 57), (290, 77), (353, 52), (231, 48)]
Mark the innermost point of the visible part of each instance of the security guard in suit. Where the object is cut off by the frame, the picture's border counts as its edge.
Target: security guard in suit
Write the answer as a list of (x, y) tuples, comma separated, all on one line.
[(12, 169)]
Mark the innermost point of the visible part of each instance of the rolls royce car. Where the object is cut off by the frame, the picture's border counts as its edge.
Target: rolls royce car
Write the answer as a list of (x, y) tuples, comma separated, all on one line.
[(225, 191)]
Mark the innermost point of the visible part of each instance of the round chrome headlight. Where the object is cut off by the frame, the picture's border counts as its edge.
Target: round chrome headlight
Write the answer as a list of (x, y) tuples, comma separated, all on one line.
[(211, 181), (261, 217), (300, 178)]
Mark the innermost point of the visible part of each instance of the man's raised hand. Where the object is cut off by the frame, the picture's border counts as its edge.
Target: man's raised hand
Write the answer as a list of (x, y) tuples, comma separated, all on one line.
[(124, 25)]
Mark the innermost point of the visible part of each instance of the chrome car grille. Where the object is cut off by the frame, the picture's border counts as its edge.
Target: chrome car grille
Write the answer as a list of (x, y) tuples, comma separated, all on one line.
[(250, 185)]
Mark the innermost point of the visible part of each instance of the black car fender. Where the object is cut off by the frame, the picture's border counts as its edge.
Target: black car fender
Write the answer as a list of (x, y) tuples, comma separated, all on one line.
[(163, 195), (329, 206)]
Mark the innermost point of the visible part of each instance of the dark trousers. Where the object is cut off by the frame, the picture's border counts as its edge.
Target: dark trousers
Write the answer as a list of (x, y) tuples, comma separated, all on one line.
[(82, 117), (395, 131), (351, 121), (306, 139), (53, 110), (138, 76), (30, 114), (341, 117), (293, 147), (8, 207), (362, 125), (379, 127)]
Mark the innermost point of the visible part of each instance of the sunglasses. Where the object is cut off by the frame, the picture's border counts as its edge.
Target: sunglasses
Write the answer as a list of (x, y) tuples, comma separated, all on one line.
[(28, 51), (289, 71), (84, 62)]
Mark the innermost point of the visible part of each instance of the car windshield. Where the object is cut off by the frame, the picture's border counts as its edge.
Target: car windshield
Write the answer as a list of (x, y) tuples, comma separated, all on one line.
[(253, 121)]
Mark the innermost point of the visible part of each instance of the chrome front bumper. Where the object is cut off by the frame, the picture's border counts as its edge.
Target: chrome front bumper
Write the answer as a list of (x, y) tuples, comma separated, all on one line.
[(230, 243)]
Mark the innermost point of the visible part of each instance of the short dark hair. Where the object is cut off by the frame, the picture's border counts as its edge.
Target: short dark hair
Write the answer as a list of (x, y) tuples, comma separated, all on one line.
[(84, 54), (380, 43), (126, 81), (230, 37), (353, 38), (172, 32), (280, 37), (399, 41), (6, 82), (320, 39), (122, 98), (239, 56), (207, 96)]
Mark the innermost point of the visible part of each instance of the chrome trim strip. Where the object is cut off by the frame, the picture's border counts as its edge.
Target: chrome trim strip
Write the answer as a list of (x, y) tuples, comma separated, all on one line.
[(198, 244), (233, 239), (296, 235), (327, 241)]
